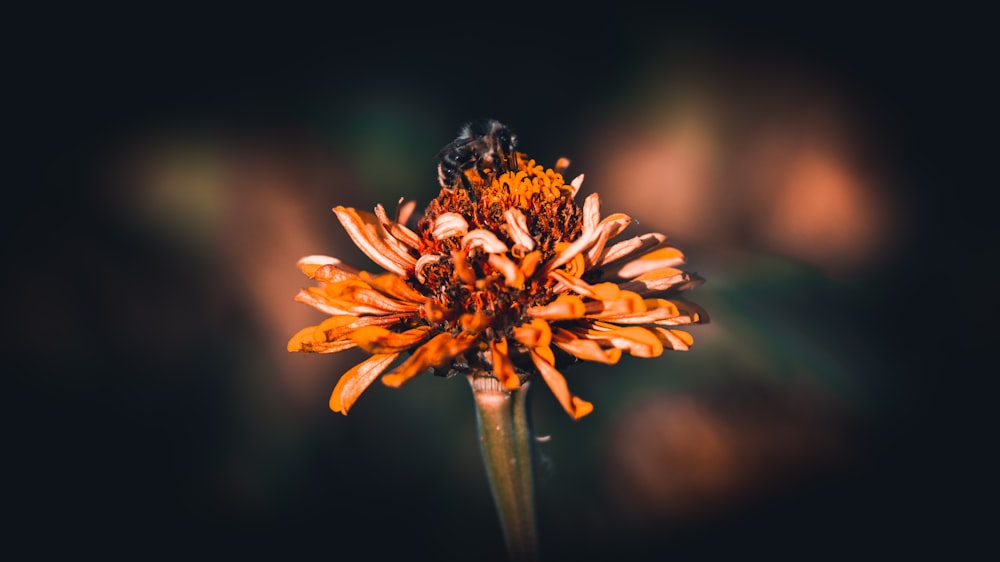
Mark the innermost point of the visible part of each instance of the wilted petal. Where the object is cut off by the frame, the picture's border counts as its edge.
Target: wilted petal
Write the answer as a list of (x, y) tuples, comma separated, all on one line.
[(600, 291), (368, 235), (653, 310), (317, 298), (676, 340), (513, 276), (517, 228), (394, 286), (687, 313), (437, 352), (375, 339), (306, 340), (503, 367), (576, 183), (481, 238), (398, 231), (325, 268), (661, 281), (565, 307), (530, 262), (657, 259), (447, 225), (607, 229), (355, 381), (591, 218), (638, 341), (363, 299), (632, 246), (588, 350), (423, 262), (534, 334), (576, 407)]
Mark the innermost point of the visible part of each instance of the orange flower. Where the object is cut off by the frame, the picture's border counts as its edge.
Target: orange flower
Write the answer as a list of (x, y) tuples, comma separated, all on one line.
[(506, 275)]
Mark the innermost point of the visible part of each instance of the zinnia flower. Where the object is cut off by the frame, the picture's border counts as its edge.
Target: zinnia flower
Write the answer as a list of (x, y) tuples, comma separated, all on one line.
[(504, 275)]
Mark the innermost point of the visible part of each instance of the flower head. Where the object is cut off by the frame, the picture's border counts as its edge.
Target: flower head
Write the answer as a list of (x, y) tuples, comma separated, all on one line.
[(504, 274)]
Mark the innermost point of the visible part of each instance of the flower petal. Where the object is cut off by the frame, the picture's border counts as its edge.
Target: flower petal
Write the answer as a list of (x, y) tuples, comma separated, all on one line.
[(503, 367), (517, 228), (375, 339), (485, 239), (396, 230), (534, 334), (676, 340), (447, 225), (394, 286), (632, 246), (661, 281), (357, 379), (638, 341), (512, 274), (438, 351), (565, 307), (371, 237), (657, 259), (574, 406), (311, 265), (588, 350)]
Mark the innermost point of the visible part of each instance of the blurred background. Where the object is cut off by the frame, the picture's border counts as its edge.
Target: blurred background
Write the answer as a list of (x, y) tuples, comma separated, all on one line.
[(815, 168)]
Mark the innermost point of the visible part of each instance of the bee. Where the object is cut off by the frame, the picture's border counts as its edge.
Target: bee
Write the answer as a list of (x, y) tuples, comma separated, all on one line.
[(480, 144)]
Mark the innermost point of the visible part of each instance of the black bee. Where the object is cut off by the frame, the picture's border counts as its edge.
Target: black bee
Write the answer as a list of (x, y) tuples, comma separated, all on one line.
[(480, 144)]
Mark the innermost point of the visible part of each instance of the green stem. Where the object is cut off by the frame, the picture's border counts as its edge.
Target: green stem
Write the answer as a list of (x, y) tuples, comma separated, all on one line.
[(505, 442)]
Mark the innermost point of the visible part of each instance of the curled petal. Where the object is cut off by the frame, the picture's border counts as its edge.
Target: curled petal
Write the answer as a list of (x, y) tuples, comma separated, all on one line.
[(325, 268), (375, 339), (371, 237), (517, 225), (576, 407), (676, 340), (687, 313), (355, 381), (588, 350), (437, 352), (530, 262), (503, 367), (462, 268), (662, 280), (651, 311), (534, 334), (423, 262), (340, 327), (600, 291), (638, 341), (484, 239), (576, 183), (591, 218), (565, 307), (609, 228), (317, 298), (626, 303), (657, 259), (394, 286), (447, 225), (405, 210), (630, 247), (513, 276), (360, 298), (398, 231)]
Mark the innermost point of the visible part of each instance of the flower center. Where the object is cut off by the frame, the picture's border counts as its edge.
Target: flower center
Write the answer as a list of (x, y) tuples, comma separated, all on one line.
[(495, 287)]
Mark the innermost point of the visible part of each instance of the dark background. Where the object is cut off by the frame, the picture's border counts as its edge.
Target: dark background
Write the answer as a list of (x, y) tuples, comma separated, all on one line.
[(147, 412)]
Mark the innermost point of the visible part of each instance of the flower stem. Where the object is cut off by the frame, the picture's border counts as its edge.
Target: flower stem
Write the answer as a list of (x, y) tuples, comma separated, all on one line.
[(505, 442)]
